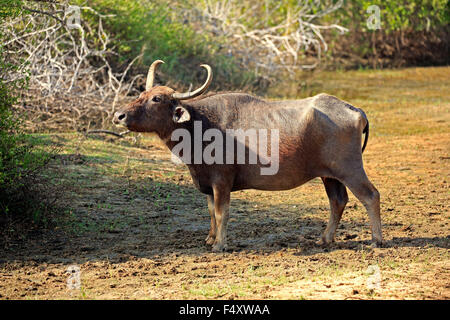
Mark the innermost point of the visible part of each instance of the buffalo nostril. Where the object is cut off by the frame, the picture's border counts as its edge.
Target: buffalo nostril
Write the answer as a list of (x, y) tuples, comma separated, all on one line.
[(121, 116)]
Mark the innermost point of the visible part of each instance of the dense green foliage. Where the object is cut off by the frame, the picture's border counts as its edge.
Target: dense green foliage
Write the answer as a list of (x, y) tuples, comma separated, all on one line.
[(397, 14), (394, 14), (19, 157), (9, 8), (152, 28), (411, 33)]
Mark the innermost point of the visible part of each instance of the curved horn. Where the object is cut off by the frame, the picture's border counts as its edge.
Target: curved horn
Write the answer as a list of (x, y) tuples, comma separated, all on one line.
[(151, 74), (199, 91)]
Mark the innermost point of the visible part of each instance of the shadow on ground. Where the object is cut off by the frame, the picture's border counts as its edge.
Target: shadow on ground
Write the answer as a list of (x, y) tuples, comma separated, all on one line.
[(116, 219)]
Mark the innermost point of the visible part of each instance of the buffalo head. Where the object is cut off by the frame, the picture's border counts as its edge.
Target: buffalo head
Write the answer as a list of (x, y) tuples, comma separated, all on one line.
[(157, 108)]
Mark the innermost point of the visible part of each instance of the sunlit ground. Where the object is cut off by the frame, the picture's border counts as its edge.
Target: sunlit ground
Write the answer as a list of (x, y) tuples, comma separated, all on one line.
[(135, 225)]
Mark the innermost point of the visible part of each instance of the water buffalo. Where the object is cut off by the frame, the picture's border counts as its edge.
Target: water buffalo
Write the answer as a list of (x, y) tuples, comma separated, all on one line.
[(319, 136)]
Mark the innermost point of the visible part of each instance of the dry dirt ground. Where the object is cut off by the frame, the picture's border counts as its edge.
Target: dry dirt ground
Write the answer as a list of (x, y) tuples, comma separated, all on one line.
[(135, 226)]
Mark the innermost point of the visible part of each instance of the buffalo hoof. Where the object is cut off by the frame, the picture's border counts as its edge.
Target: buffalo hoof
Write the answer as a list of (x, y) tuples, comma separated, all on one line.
[(376, 244), (210, 239), (323, 242), (218, 247)]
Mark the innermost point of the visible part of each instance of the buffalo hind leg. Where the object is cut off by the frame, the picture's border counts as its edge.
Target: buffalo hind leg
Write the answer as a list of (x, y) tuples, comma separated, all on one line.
[(212, 230), (364, 190), (337, 195), (221, 210)]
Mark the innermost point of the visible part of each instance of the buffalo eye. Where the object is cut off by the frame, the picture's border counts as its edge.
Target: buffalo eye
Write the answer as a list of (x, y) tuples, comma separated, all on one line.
[(156, 99)]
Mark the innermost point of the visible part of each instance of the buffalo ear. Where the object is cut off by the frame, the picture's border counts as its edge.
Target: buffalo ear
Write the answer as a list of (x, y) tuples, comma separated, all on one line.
[(181, 115)]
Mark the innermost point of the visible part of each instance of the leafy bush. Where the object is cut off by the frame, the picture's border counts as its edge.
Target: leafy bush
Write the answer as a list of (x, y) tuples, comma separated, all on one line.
[(413, 33), (153, 29), (20, 160), (10, 8), (397, 15)]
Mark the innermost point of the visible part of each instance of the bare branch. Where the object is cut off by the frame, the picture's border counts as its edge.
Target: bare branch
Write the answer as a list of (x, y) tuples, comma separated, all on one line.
[(50, 14), (263, 45), (119, 135), (72, 82)]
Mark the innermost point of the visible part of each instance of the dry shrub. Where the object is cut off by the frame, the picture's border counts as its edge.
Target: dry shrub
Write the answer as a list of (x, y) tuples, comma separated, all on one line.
[(71, 81)]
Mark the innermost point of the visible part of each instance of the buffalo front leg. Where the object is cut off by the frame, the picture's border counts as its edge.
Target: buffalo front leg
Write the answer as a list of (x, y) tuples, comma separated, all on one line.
[(212, 230), (338, 197), (221, 210)]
